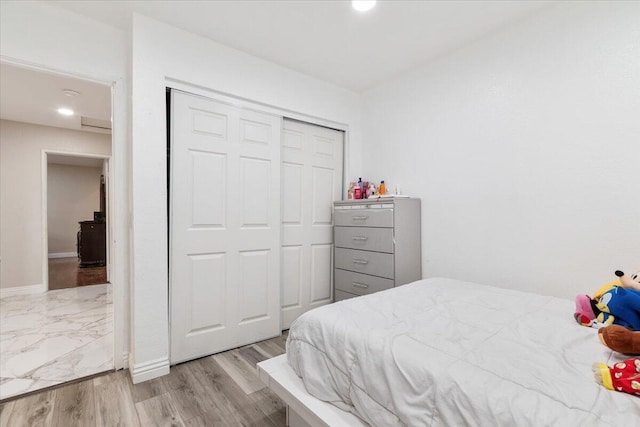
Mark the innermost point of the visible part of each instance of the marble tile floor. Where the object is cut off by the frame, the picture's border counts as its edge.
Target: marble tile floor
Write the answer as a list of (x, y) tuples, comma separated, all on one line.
[(54, 337), (219, 390)]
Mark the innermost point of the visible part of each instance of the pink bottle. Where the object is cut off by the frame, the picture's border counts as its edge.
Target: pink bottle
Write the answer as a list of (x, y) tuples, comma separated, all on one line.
[(357, 193)]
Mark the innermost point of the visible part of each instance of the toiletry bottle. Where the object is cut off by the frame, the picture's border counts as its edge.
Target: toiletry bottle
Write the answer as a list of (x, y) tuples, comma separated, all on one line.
[(360, 183), (383, 190), (357, 193), (352, 187), (372, 191)]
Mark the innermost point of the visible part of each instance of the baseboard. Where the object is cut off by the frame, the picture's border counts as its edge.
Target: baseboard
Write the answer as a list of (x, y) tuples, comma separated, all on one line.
[(148, 370), (22, 290), (63, 255)]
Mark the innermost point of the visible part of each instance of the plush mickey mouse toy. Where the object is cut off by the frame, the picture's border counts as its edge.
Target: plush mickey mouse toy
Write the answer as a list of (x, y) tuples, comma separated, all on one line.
[(630, 282)]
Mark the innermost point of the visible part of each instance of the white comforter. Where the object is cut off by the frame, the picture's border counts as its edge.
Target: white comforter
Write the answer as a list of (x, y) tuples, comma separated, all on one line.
[(444, 352)]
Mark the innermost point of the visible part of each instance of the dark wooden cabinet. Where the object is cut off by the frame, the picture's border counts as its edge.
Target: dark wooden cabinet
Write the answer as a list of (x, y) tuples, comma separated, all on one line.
[(92, 244)]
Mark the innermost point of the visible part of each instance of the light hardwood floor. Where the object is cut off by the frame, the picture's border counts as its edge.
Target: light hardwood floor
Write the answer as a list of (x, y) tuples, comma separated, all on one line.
[(219, 390)]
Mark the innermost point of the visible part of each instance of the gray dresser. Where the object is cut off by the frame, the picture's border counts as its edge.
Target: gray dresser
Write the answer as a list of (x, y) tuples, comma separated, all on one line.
[(377, 245)]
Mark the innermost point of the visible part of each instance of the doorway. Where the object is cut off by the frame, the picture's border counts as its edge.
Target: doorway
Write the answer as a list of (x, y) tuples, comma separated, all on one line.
[(76, 220), (50, 336)]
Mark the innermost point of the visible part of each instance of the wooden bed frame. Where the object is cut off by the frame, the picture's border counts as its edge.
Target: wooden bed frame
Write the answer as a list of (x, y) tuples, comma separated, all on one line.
[(303, 410)]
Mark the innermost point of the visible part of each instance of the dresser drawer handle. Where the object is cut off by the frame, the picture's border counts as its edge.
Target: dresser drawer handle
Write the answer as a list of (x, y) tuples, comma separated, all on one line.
[(360, 218), (360, 261), (360, 238), (359, 285)]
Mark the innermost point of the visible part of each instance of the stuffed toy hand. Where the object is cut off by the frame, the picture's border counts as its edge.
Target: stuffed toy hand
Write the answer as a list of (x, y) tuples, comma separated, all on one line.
[(623, 376), (620, 339)]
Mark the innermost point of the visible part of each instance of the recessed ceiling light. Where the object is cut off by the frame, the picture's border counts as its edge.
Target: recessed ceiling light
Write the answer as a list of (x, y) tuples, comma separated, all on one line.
[(65, 111), (363, 5), (70, 92)]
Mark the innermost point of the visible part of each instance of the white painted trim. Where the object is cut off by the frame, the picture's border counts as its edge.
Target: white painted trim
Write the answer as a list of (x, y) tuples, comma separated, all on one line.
[(44, 185), (107, 81), (148, 370), (252, 105), (23, 290), (118, 196), (63, 255), (124, 364)]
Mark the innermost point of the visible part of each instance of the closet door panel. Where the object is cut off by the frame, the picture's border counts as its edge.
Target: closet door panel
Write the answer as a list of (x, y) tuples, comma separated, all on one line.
[(256, 193), (208, 171), (312, 180), (207, 292), (225, 226), (291, 277), (321, 256)]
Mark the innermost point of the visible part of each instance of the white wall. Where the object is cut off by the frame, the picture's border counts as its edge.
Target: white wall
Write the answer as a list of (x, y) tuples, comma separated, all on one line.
[(159, 52), (73, 195), (21, 146), (523, 147), (44, 36)]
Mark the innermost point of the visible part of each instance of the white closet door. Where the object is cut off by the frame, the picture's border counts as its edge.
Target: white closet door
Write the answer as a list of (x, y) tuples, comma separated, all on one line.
[(311, 181), (225, 227)]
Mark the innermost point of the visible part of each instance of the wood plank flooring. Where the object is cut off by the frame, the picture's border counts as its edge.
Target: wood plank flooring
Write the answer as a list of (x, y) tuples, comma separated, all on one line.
[(66, 273), (219, 390)]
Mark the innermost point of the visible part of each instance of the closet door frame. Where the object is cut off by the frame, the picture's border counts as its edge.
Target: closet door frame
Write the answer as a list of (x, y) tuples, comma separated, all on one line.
[(258, 107), (250, 105)]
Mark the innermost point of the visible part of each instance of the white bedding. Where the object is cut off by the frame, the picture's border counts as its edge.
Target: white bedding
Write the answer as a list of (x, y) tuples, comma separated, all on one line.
[(444, 352)]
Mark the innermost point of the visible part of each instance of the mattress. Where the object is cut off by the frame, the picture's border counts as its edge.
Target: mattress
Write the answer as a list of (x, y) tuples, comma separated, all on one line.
[(442, 352)]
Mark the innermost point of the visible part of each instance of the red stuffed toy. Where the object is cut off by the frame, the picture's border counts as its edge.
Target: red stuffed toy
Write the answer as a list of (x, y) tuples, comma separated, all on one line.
[(623, 376)]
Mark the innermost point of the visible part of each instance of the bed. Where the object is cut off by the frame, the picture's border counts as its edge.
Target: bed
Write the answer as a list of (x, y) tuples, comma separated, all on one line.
[(442, 352)]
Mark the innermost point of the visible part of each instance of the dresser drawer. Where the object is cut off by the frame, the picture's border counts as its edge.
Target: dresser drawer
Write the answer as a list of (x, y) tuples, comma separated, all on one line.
[(375, 263), (339, 296), (360, 284), (366, 217), (367, 238)]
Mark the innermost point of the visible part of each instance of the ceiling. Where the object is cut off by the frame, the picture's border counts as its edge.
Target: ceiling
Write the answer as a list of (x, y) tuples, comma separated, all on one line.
[(326, 39), (34, 97)]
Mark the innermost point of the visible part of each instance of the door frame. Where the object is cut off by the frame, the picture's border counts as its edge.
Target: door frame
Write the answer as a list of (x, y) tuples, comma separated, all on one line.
[(118, 198), (252, 105), (45, 207), (248, 104)]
